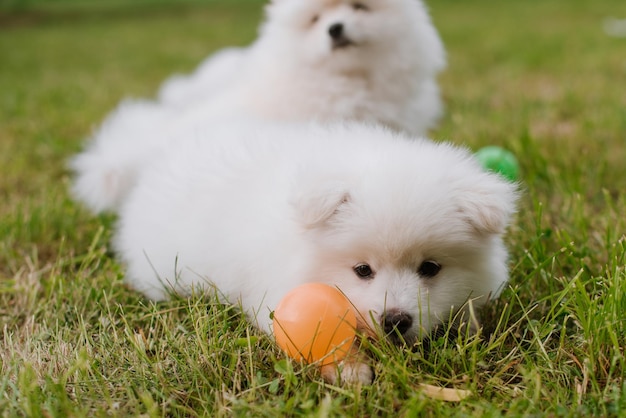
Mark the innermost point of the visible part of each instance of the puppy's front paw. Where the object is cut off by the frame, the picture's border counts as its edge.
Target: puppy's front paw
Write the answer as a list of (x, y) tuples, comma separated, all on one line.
[(348, 372)]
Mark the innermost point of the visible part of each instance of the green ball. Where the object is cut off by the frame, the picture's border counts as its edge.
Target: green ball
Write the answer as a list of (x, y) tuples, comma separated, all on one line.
[(500, 161)]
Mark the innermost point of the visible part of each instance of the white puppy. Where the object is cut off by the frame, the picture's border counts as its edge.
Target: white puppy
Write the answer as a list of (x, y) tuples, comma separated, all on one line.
[(408, 229), (367, 60)]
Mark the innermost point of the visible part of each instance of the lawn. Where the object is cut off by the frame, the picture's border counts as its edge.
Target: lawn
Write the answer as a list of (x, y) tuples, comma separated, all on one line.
[(539, 77)]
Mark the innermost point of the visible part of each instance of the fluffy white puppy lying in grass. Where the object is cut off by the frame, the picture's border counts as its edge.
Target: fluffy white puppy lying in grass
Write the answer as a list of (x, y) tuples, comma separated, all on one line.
[(408, 229)]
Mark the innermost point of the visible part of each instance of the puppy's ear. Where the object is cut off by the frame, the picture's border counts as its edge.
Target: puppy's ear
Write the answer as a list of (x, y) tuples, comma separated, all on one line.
[(488, 204), (317, 206)]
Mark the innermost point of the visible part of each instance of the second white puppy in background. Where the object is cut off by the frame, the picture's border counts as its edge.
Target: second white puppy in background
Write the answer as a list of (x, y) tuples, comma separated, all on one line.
[(368, 60)]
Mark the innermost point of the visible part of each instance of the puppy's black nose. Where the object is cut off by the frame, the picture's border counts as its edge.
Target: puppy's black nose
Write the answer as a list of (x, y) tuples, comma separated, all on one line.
[(336, 30), (396, 323)]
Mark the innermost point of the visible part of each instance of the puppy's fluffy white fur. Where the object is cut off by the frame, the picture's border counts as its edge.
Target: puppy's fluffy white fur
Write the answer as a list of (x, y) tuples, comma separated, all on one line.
[(255, 210), (372, 60), (380, 67)]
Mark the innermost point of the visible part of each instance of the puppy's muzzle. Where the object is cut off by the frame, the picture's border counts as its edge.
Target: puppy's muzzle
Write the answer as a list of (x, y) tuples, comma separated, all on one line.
[(396, 324), (338, 36)]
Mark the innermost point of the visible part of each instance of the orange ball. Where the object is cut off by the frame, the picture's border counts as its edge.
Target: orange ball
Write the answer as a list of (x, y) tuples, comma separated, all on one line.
[(315, 322)]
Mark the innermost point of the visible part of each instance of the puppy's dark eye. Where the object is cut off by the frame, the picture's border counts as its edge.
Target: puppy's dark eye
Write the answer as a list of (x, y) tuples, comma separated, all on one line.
[(364, 271), (314, 19), (429, 269), (360, 6)]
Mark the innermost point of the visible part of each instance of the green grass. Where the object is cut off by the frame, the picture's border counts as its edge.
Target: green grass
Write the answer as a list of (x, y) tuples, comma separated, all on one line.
[(538, 77)]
